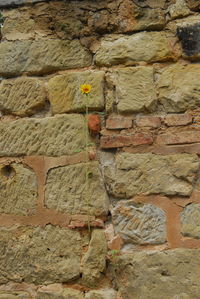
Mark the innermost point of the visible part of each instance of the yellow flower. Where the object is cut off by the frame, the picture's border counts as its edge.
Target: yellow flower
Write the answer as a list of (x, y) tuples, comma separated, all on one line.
[(86, 88)]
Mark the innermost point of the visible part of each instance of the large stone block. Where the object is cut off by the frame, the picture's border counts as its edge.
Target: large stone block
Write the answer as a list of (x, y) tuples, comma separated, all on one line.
[(139, 223), (22, 96), (143, 46), (18, 190), (178, 87), (190, 221), (133, 89), (101, 294), (94, 261), (67, 191), (41, 56), (14, 295), (39, 255), (167, 274), (55, 291), (151, 174), (65, 94), (51, 136)]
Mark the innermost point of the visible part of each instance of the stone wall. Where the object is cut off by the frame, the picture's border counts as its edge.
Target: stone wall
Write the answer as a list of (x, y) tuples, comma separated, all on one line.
[(131, 230)]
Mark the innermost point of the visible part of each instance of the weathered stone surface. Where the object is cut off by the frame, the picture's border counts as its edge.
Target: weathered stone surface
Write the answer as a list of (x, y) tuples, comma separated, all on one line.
[(65, 94), (94, 261), (41, 56), (5, 3), (67, 191), (151, 174), (152, 275), (190, 220), (178, 119), (178, 9), (57, 292), (133, 89), (101, 294), (22, 96), (39, 255), (179, 87), (144, 46), (18, 190), (59, 135), (14, 295), (139, 223)]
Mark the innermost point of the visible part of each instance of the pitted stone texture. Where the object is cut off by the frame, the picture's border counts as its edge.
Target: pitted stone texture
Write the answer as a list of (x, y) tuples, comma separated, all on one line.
[(179, 88), (94, 261), (41, 56), (139, 223), (18, 190), (135, 174), (51, 136), (66, 190), (65, 94), (22, 96), (133, 89), (14, 295), (102, 294), (190, 221), (57, 292), (39, 255), (152, 275), (144, 46), (178, 9)]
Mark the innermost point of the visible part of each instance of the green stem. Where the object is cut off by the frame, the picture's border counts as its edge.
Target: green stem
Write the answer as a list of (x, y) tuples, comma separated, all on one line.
[(86, 161)]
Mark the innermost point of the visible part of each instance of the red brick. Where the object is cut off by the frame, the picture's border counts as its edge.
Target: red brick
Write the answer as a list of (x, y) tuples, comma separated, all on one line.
[(178, 119), (179, 137), (115, 141), (94, 123), (119, 122), (148, 121)]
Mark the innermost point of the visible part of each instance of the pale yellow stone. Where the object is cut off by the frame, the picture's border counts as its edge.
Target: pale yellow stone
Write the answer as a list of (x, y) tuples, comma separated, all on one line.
[(66, 190), (178, 87), (134, 174), (18, 190), (65, 94), (50, 136), (41, 56), (22, 96), (143, 46)]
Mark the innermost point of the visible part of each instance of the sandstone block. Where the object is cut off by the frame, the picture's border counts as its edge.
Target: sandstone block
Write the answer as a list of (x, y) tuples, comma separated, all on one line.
[(179, 9), (119, 122), (121, 140), (133, 174), (14, 295), (154, 274), (178, 88), (41, 56), (18, 190), (51, 136), (94, 261), (134, 89), (143, 46), (179, 137), (101, 294), (29, 255), (66, 190), (178, 119), (5, 3), (148, 121), (139, 223), (65, 94), (190, 220), (22, 96), (55, 291)]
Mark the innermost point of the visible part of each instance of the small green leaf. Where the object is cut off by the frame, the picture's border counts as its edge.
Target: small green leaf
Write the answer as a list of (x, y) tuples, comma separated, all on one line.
[(78, 150)]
